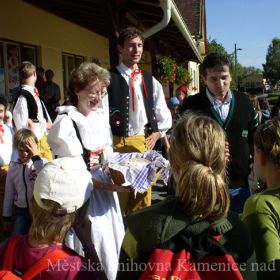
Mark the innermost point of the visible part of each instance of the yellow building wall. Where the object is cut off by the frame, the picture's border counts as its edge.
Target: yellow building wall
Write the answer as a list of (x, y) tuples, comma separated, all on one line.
[(193, 69), (24, 23)]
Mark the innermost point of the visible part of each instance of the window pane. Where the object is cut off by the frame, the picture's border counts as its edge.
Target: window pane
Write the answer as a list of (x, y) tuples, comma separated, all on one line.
[(2, 73), (28, 53), (79, 60), (71, 64), (13, 65)]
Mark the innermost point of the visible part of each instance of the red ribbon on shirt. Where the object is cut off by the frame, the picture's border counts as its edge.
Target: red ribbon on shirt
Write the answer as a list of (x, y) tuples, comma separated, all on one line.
[(133, 78), (1, 134), (36, 92), (93, 161)]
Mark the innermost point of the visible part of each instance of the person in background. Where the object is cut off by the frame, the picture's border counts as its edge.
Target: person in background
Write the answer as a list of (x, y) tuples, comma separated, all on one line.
[(255, 102), (262, 210), (265, 108), (182, 93), (138, 112), (61, 193), (29, 111), (20, 182), (200, 205), (275, 111), (52, 94), (40, 83), (7, 152), (235, 114), (173, 106)]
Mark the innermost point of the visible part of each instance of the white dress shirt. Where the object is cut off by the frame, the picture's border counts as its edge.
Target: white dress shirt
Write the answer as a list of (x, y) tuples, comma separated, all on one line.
[(138, 117), (222, 108)]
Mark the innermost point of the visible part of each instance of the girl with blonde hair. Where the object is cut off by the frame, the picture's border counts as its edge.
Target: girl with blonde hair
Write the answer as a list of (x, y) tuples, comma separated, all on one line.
[(201, 202)]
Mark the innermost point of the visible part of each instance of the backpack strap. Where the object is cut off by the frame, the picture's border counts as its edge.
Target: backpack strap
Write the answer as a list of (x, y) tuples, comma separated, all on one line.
[(44, 262), (86, 152), (8, 261)]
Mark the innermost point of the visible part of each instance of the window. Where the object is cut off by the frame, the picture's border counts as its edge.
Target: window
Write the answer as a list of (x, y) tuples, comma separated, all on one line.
[(28, 53), (2, 73), (11, 56), (69, 63)]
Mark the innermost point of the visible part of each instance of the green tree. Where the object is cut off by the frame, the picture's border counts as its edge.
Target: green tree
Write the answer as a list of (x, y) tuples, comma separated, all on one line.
[(272, 65), (214, 46), (241, 72)]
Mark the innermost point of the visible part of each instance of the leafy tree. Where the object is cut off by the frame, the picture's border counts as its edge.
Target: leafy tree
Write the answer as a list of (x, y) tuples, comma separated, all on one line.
[(214, 46), (272, 65)]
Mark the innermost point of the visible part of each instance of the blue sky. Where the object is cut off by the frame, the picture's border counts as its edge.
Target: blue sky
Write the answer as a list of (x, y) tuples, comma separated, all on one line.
[(251, 24)]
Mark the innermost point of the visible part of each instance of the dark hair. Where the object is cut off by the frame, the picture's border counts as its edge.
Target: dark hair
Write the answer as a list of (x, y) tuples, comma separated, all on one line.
[(214, 60), (129, 32), (49, 71), (275, 109), (40, 69), (3, 101)]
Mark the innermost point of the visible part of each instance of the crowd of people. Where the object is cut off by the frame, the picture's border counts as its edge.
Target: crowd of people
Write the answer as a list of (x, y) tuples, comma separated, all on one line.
[(62, 208)]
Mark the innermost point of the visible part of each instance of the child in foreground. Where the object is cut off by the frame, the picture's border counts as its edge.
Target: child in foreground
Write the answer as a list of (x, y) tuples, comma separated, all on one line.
[(61, 192), (20, 182), (262, 210), (200, 205)]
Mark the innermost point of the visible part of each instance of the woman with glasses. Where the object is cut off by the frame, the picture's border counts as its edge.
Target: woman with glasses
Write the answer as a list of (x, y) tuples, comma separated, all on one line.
[(82, 128), (262, 210)]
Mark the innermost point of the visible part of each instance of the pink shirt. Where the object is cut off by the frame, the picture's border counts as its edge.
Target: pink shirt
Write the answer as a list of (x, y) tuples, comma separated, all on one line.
[(72, 267)]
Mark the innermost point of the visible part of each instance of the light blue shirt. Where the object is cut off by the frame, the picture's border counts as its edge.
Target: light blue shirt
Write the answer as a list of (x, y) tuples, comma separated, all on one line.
[(222, 108)]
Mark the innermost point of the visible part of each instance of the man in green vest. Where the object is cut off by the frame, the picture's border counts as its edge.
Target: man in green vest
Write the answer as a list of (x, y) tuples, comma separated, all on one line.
[(236, 115)]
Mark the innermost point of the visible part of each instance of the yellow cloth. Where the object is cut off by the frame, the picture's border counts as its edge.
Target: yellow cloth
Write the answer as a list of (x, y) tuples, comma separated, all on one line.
[(128, 202), (44, 149)]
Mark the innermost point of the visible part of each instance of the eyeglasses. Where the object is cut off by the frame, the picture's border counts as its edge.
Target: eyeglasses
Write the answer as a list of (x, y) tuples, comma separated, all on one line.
[(100, 92)]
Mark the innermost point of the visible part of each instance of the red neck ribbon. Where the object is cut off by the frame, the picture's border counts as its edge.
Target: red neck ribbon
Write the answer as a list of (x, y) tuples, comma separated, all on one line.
[(1, 134), (133, 78)]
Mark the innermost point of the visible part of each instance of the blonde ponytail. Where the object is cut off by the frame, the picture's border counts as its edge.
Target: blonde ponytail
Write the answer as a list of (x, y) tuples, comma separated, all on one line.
[(197, 158)]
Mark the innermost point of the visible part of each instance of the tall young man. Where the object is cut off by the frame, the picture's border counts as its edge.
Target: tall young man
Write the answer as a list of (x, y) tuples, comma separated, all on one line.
[(138, 112)]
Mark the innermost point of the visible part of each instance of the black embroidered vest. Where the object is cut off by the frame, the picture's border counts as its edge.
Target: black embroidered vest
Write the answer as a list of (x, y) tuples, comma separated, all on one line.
[(32, 106), (118, 91)]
